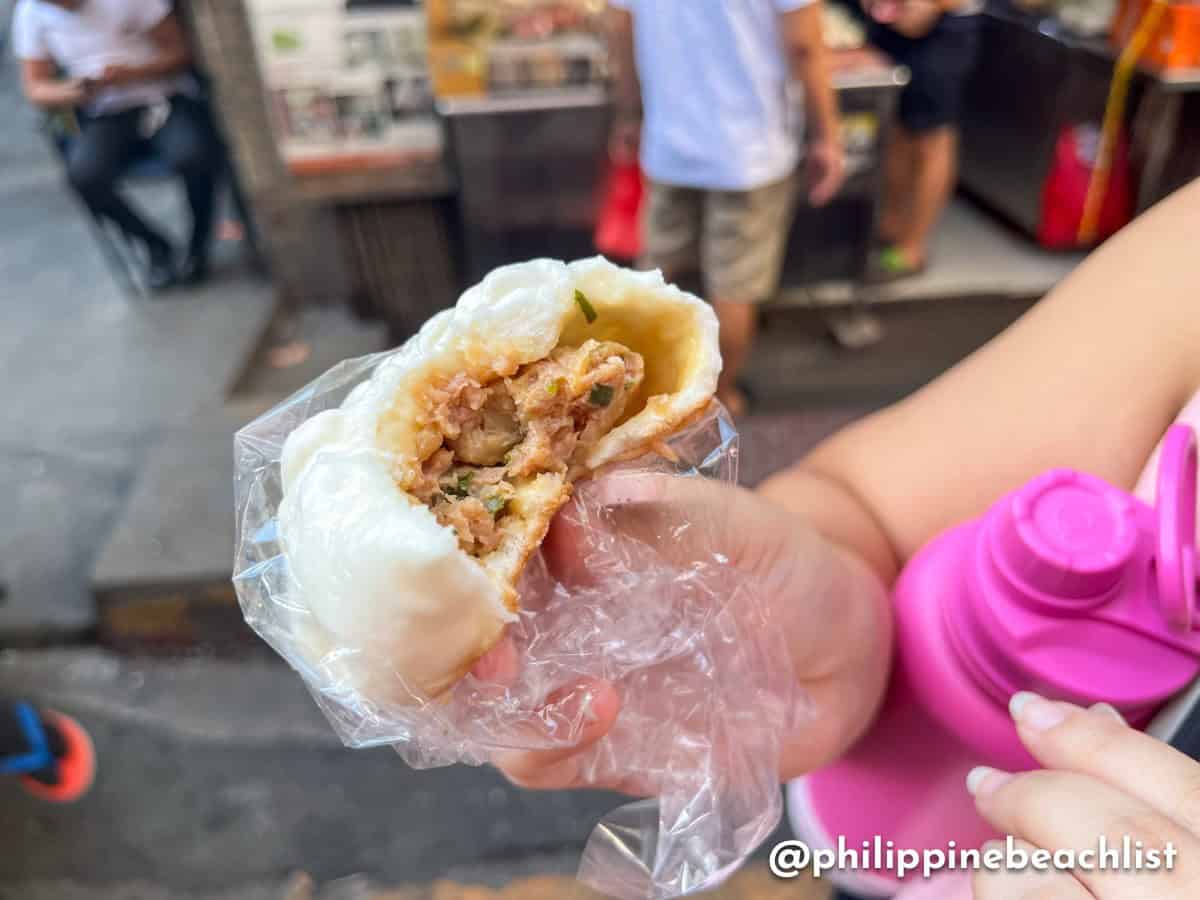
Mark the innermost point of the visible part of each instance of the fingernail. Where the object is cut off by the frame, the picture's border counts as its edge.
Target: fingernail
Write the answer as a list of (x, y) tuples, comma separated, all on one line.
[(1034, 712), (1107, 709), (983, 780), (624, 490)]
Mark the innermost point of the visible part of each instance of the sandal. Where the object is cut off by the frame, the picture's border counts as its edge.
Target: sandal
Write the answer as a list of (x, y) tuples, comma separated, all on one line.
[(891, 264)]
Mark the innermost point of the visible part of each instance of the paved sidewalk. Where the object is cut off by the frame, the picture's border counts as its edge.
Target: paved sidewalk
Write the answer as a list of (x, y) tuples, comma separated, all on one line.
[(92, 378), (214, 775)]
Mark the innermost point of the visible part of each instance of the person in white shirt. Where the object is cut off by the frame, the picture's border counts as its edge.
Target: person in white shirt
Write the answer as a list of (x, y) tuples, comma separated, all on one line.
[(703, 88), (124, 67)]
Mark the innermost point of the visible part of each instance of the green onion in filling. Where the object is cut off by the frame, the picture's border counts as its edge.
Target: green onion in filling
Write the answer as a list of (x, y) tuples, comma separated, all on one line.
[(600, 395), (589, 311)]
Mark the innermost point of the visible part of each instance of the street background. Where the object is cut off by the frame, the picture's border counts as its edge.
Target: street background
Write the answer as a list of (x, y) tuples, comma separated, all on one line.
[(218, 777)]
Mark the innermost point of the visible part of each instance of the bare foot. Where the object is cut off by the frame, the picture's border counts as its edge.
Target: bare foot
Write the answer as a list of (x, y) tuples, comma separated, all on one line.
[(733, 400)]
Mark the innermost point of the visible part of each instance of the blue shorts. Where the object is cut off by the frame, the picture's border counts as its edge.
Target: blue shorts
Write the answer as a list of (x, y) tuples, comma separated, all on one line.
[(940, 64)]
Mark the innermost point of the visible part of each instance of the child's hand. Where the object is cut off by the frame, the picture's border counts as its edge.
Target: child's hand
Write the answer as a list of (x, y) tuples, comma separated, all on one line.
[(826, 602), (1101, 778)]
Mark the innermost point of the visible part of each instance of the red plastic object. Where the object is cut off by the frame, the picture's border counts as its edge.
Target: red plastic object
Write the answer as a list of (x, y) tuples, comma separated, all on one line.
[(1065, 190), (1175, 44), (618, 228), (76, 768)]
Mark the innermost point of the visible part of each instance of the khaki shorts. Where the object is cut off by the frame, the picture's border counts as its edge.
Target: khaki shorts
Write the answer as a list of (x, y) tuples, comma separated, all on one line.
[(736, 239)]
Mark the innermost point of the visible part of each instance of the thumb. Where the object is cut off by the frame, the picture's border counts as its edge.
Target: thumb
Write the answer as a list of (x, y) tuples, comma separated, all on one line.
[(596, 703)]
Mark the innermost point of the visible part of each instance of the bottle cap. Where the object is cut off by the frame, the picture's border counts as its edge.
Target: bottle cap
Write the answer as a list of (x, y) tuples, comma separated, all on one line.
[(1068, 535), (1175, 565)]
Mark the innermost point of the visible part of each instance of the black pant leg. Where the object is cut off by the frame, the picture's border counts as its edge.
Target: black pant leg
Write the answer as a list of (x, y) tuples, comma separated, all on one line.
[(189, 143), (95, 160)]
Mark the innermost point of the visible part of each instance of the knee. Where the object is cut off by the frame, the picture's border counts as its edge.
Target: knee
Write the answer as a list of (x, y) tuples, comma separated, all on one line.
[(89, 175), (194, 157)]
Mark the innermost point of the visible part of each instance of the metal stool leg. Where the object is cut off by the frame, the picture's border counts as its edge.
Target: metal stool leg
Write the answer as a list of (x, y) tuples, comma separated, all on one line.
[(118, 257)]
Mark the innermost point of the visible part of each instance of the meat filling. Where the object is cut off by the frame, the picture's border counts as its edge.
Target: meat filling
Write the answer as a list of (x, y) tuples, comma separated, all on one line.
[(496, 436)]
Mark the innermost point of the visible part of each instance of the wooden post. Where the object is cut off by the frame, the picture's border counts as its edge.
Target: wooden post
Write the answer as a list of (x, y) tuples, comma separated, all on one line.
[(292, 228)]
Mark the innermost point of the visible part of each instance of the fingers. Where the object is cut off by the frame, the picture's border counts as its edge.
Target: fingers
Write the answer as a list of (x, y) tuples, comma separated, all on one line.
[(599, 704), (1071, 813), (1098, 743), (1108, 783), (828, 173), (823, 191), (675, 515), (1025, 884), (499, 665)]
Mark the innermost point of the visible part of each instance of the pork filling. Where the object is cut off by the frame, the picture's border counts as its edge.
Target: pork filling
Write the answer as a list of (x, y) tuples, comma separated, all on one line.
[(499, 435)]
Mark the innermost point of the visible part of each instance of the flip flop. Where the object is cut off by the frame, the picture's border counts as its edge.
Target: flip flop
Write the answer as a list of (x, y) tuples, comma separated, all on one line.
[(892, 265)]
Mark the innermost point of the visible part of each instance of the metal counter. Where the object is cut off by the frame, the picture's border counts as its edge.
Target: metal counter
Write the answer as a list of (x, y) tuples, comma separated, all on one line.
[(530, 170), (1033, 79)]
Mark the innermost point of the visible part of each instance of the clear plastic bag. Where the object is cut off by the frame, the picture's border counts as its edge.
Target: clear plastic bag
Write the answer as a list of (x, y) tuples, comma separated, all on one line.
[(705, 680)]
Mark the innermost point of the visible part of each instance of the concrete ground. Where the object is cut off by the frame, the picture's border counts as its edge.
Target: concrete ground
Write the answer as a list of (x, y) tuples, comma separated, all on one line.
[(94, 379), (973, 256), (218, 777)]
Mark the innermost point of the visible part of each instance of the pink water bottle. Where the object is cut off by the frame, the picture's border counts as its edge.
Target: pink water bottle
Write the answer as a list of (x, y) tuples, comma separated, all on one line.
[(1069, 587)]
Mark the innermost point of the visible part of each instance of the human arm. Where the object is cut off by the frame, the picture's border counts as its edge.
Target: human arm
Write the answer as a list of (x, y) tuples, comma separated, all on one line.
[(43, 88), (808, 60), (40, 80), (1090, 378), (627, 90), (173, 55)]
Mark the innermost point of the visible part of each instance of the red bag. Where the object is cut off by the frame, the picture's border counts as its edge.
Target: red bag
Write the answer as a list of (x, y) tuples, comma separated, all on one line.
[(618, 227), (1065, 190)]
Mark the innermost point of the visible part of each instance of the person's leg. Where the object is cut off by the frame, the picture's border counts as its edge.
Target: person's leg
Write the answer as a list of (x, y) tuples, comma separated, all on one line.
[(739, 327), (933, 175), (897, 186), (940, 64), (95, 160), (189, 143), (742, 246)]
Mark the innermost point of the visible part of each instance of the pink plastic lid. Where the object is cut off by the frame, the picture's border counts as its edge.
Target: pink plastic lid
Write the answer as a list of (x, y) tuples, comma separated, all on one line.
[(1176, 503), (1086, 593), (1068, 535)]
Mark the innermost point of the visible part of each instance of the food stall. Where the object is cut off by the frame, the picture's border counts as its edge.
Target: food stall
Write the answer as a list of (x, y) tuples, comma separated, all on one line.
[(530, 169), (527, 135), (413, 147), (1043, 78)]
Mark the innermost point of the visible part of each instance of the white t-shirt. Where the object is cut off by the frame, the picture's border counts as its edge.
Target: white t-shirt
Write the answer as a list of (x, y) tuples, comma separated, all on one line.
[(715, 77), (99, 33)]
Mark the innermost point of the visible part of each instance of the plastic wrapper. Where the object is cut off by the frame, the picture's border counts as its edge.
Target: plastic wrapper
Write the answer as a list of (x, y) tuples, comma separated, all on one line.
[(704, 677)]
